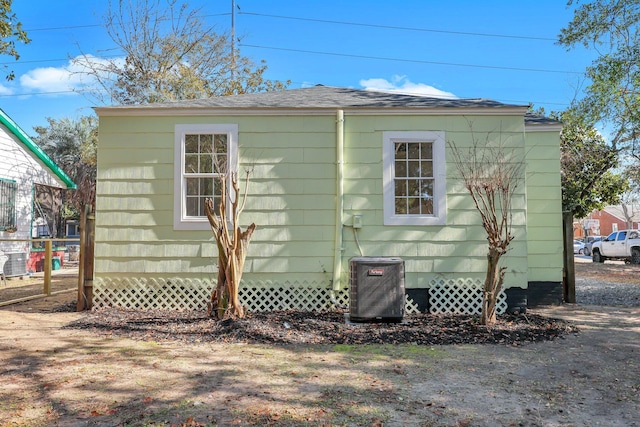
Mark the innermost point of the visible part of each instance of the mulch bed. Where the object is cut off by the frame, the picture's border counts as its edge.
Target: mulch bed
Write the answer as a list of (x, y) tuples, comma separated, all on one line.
[(293, 327)]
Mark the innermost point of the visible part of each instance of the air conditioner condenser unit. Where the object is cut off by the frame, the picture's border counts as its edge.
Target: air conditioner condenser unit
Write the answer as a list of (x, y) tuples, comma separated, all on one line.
[(376, 289)]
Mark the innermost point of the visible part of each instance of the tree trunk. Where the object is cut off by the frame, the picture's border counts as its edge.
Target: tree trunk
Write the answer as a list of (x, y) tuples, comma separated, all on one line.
[(232, 251), (492, 287)]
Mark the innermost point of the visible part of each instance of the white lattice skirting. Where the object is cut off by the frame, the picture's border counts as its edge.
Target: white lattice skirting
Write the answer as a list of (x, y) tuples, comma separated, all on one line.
[(463, 296)]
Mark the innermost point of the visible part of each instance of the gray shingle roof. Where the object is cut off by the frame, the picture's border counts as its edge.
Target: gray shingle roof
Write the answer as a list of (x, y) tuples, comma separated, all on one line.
[(326, 97), (535, 119)]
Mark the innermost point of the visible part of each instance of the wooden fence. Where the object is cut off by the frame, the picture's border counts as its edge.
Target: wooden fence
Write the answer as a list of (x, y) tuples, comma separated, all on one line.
[(85, 263)]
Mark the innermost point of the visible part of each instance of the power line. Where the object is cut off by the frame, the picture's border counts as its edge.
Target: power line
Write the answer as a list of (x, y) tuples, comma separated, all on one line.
[(70, 27), (393, 27), (58, 92), (416, 61), (327, 21), (73, 27)]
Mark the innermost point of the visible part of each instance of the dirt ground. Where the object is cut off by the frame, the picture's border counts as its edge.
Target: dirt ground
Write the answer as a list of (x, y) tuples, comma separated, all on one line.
[(56, 376)]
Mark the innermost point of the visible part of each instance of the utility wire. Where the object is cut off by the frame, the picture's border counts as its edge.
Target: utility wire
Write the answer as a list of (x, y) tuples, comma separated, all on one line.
[(327, 21), (73, 27), (328, 53), (393, 27), (417, 61)]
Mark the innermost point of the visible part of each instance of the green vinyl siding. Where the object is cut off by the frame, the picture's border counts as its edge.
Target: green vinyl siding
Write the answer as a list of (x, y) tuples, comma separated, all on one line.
[(544, 206), (457, 249), (291, 198)]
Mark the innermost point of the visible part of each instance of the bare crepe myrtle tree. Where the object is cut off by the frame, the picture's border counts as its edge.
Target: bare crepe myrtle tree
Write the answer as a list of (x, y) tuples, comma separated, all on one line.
[(232, 245), (491, 174)]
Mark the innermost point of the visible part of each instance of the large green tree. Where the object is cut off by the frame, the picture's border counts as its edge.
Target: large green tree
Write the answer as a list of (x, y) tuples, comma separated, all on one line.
[(11, 32), (612, 98), (72, 145), (170, 54), (588, 164)]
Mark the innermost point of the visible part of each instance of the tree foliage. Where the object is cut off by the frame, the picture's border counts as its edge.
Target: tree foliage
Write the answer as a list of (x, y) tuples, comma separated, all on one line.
[(170, 54), (11, 32), (587, 168), (72, 145), (612, 97)]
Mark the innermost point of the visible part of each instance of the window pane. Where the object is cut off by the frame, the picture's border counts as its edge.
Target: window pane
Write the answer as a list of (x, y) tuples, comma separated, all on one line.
[(221, 143), (8, 218), (427, 207), (205, 157), (201, 207), (193, 186), (426, 151), (401, 188), (206, 143), (401, 150), (217, 186), (413, 206), (206, 186), (427, 189), (191, 163), (206, 163), (414, 196), (413, 188), (413, 169), (414, 150), (220, 163), (426, 169), (216, 204), (191, 143), (192, 206)]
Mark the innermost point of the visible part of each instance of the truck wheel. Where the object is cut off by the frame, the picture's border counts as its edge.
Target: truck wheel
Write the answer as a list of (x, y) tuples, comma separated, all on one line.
[(635, 256), (597, 257)]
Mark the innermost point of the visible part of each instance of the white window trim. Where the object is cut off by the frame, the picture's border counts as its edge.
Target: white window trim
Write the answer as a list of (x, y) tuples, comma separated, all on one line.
[(180, 219), (439, 216)]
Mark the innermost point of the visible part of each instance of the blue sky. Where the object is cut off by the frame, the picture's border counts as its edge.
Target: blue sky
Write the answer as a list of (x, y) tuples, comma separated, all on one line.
[(502, 50)]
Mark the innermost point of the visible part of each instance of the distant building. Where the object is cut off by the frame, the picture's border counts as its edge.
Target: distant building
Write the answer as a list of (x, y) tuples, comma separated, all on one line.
[(606, 221)]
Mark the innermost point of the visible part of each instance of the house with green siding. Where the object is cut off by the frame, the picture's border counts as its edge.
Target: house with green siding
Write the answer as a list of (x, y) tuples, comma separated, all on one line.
[(334, 173)]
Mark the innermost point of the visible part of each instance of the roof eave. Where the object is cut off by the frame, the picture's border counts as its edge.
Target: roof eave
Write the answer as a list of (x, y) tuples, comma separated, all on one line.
[(36, 150), (274, 111)]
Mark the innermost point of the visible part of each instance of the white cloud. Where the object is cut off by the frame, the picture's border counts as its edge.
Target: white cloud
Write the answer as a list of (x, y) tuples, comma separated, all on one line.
[(49, 79), (4, 90), (401, 84), (68, 78)]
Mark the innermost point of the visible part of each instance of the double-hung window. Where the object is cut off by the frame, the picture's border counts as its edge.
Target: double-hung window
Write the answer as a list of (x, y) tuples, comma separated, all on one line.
[(204, 156), (414, 178), (8, 220)]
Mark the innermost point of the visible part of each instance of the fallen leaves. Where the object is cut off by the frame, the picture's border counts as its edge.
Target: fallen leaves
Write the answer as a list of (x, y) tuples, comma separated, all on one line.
[(319, 328)]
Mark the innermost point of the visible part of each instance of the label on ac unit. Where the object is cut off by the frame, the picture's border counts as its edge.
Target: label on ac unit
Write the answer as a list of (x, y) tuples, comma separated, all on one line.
[(376, 272)]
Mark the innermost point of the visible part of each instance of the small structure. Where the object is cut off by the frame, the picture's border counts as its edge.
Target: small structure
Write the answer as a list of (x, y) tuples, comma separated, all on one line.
[(335, 173), (608, 220), (23, 165)]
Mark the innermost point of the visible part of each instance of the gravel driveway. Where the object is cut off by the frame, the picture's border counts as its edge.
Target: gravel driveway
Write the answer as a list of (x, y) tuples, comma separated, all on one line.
[(612, 283)]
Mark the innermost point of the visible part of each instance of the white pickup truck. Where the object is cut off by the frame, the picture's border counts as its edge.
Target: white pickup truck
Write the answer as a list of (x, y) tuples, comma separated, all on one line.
[(619, 245)]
